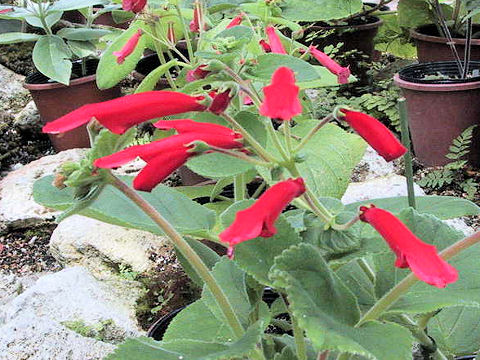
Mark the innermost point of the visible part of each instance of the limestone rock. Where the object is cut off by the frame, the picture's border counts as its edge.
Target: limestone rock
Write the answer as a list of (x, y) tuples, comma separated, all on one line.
[(79, 240), (382, 187), (13, 96), (28, 119), (71, 296), (17, 207), (372, 166)]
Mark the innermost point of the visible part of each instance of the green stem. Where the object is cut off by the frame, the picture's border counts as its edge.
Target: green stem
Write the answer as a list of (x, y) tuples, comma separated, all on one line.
[(312, 132), (288, 138), (408, 156), (259, 190), (250, 139), (299, 338), (239, 187), (186, 32), (41, 15), (365, 266), (276, 141), (162, 59), (194, 260)]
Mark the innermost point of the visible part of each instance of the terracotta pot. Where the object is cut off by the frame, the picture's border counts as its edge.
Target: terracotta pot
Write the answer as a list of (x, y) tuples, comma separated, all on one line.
[(107, 19), (440, 110), (432, 47), (54, 100), (73, 16), (354, 37)]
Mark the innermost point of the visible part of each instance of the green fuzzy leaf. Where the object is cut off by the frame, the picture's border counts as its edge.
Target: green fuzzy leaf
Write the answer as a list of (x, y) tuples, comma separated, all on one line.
[(115, 208), (413, 13), (151, 80), (328, 311), (17, 37), (66, 5), (109, 72), (82, 49), (319, 10), (216, 165), (82, 34), (51, 57), (443, 207)]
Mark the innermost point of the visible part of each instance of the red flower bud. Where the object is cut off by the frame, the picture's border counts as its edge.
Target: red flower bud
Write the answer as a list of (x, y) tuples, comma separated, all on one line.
[(220, 102), (133, 5), (274, 41), (4, 11), (128, 48), (236, 21), (165, 156), (197, 73), (259, 219), (185, 126), (376, 134), (281, 96), (265, 46), (343, 73), (120, 114), (411, 252), (197, 18), (171, 33)]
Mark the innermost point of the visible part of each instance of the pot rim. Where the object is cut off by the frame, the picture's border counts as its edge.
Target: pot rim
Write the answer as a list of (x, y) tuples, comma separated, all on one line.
[(416, 34), (435, 87), (57, 85), (372, 25)]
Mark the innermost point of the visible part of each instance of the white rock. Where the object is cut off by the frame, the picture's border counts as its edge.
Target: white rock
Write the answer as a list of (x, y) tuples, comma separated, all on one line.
[(17, 207), (372, 166), (39, 338), (73, 294), (13, 96), (79, 240), (460, 225), (382, 187), (28, 118), (12, 285)]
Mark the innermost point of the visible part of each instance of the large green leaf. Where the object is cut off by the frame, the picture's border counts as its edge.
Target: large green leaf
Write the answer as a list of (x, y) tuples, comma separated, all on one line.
[(82, 34), (51, 19), (17, 37), (148, 349), (114, 207), (413, 13), (422, 297), (328, 310), (216, 165), (320, 10), (443, 207), (109, 72), (65, 5), (50, 56), (456, 330)]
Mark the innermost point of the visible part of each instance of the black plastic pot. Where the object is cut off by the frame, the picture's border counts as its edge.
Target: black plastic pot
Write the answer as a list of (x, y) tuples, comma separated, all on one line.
[(439, 110), (469, 357), (158, 329)]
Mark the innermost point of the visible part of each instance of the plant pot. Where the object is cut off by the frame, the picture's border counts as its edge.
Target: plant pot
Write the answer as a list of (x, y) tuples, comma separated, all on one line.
[(158, 329), (432, 47), (440, 110), (469, 357), (355, 37), (54, 100), (73, 16), (107, 19)]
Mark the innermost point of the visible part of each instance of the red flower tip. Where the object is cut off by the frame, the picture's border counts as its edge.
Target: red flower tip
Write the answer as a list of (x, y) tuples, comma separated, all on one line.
[(265, 46), (198, 73), (197, 18), (134, 5), (185, 126), (120, 114), (171, 33), (128, 48), (281, 96), (376, 134), (220, 102), (237, 20), (411, 252), (343, 73), (274, 41), (4, 11), (259, 219)]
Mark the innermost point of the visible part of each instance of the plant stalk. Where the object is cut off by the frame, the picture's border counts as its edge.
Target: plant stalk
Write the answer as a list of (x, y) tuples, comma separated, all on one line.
[(186, 32), (239, 187), (402, 107), (312, 132)]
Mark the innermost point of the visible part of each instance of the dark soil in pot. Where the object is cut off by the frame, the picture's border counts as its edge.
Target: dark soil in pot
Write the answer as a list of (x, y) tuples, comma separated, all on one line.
[(440, 107), (433, 47), (54, 100)]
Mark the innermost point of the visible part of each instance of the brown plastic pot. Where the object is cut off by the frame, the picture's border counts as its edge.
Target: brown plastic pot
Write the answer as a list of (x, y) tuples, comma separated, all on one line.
[(439, 112), (354, 37), (54, 100), (432, 47), (107, 19)]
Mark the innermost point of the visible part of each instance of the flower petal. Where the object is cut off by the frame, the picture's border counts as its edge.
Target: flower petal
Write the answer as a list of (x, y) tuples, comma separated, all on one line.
[(274, 41)]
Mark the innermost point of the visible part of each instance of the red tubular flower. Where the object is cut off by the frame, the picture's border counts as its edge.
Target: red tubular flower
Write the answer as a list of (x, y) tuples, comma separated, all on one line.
[(120, 114), (197, 18), (281, 96), (259, 219), (265, 46), (411, 252), (171, 33), (198, 73), (4, 11), (220, 102), (133, 5), (237, 20), (165, 156), (185, 126), (343, 73), (128, 48), (274, 41), (376, 134)]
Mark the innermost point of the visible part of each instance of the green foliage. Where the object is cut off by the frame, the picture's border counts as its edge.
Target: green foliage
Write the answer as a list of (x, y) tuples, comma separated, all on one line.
[(51, 57), (451, 172), (320, 10), (98, 331), (382, 104)]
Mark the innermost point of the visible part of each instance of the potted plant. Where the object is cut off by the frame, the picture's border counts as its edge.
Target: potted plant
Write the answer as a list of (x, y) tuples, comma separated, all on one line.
[(440, 100), (341, 272), (66, 63), (436, 26)]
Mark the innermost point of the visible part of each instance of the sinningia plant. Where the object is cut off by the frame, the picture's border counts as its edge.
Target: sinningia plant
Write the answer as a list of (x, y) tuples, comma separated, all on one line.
[(342, 273)]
